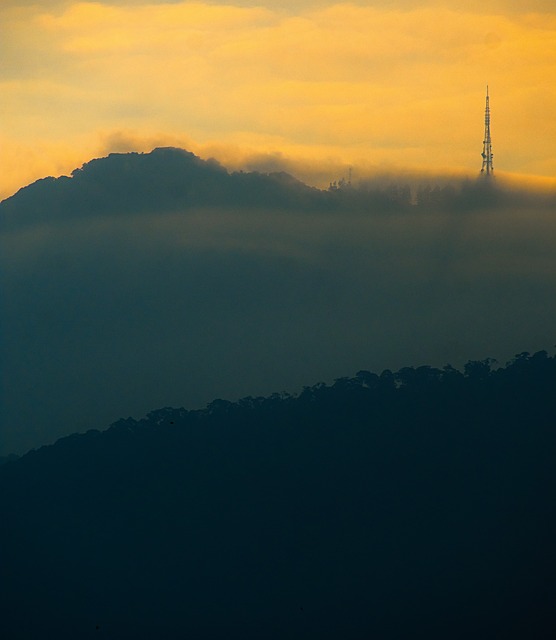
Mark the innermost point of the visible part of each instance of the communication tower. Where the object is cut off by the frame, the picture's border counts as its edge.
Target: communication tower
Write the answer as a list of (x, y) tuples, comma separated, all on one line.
[(487, 144)]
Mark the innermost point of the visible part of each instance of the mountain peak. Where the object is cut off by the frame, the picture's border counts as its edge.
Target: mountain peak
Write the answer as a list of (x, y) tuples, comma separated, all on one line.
[(165, 179)]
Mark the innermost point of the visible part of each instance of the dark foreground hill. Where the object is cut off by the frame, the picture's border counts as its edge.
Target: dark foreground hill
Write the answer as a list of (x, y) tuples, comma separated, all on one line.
[(416, 504)]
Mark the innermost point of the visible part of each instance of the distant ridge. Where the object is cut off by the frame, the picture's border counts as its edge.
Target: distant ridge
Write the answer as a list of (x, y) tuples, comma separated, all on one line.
[(174, 180), (166, 179)]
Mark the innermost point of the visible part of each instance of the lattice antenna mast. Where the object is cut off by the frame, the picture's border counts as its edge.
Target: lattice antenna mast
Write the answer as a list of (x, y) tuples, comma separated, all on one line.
[(487, 144)]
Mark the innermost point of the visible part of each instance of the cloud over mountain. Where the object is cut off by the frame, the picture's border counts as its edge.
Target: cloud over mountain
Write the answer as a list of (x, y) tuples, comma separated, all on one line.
[(397, 84)]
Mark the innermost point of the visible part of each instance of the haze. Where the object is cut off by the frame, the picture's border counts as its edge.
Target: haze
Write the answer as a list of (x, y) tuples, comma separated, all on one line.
[(153, 280)]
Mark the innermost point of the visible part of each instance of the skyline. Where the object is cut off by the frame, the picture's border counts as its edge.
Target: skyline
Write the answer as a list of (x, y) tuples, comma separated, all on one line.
[(312, 89)]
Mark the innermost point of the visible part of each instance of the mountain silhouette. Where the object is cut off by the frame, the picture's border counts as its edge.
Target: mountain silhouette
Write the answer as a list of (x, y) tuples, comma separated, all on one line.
[(175, 180), (170, 179), (416, 503), (166, 179)]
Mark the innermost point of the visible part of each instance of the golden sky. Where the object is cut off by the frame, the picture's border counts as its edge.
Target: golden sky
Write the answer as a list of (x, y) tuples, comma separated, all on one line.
[(376, 85)]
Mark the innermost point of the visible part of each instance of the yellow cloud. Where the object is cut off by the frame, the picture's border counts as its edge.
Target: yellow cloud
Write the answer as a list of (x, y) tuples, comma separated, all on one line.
[(94, 27), (347, 82)]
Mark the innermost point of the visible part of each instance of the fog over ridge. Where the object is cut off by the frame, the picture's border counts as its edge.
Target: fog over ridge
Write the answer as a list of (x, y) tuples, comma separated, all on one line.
[(149, 280)]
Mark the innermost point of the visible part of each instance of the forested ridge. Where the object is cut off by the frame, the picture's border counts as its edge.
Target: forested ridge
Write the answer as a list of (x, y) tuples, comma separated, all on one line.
[(416, 503), (176, 180)]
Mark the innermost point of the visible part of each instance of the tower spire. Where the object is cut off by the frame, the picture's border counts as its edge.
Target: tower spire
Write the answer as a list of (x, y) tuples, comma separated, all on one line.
[(487, 144)]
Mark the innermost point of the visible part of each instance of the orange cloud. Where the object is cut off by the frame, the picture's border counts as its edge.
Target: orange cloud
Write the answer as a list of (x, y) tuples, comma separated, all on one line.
[(340, 83)]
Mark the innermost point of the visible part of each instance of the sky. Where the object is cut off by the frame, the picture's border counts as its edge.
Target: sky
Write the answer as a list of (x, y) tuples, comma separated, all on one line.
[(314, 86)]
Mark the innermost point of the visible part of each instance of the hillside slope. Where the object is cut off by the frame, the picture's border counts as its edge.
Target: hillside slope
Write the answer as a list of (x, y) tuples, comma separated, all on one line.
[(415, 504)]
